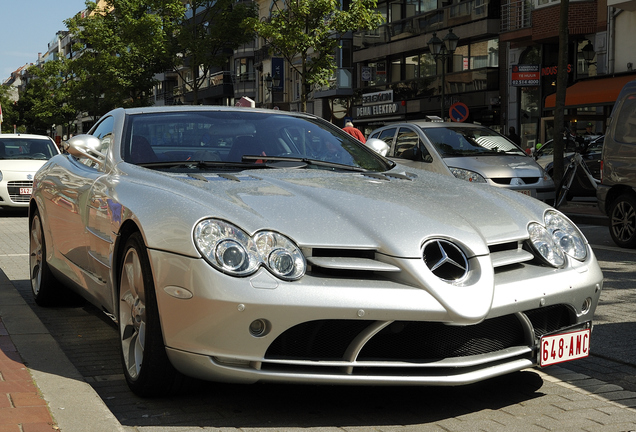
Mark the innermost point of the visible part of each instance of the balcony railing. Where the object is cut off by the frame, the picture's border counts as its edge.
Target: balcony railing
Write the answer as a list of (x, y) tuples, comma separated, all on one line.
[(516, 15), (427, 22)]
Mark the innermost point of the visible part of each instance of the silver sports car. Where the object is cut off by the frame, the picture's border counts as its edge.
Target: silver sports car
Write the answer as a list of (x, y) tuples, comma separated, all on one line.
[(243, 245)]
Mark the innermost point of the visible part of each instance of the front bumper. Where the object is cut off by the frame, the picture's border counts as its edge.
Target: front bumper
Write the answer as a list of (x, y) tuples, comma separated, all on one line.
[(353, 331)]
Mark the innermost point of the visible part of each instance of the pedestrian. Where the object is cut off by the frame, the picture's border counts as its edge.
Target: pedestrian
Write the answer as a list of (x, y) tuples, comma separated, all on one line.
[(588, 129), (512, 134), (351, 130)]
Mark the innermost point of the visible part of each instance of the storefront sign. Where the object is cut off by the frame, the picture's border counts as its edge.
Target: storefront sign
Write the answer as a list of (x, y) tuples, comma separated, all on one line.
[(525, 75), (377, 97), (375, 110)]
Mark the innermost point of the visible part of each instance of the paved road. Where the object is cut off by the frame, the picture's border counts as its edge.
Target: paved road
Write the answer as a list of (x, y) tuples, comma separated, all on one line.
[(594, 394)]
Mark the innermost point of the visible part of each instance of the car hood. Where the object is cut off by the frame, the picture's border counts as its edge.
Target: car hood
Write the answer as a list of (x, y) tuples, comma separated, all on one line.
[(392, 213), (21, 165), (497, 165)]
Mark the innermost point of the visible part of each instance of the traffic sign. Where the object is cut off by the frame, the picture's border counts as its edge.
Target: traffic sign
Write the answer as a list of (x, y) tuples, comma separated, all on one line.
[(458, 112)]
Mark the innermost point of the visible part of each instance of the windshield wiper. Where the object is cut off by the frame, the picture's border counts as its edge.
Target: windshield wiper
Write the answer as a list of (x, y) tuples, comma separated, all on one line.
[(271, 161), (201, 164)]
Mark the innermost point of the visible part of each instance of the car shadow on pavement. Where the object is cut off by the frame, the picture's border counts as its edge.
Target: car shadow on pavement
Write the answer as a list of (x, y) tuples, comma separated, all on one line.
[(90, 341)]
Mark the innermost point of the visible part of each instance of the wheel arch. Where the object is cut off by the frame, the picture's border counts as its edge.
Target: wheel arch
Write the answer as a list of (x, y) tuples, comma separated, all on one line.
[(615, 192)]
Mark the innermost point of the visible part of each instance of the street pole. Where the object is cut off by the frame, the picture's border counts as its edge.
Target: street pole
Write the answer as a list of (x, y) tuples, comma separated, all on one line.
[(441, 50)]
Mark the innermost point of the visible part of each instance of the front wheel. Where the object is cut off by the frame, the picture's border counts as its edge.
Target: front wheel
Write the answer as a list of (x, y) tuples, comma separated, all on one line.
[(147, 369), (47, 291), (622, 217)]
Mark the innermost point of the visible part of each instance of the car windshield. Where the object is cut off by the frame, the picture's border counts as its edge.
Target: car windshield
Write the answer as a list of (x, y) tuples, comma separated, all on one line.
[(26, 148), (242, 139), (461, 141)]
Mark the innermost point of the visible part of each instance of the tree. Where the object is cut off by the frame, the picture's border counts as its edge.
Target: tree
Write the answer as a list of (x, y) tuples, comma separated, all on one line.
[(561, 91), (9, 113), (47, 99), (124, 45), (207, 36), (306, 34)]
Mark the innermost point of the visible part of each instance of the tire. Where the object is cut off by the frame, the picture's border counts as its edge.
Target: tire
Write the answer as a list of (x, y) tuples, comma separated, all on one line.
[(46, 289), (562, 191), (622, 219), (147, 369)]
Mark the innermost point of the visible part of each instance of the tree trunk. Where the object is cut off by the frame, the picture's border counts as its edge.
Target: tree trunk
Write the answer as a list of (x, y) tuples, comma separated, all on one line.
[(561, 88)]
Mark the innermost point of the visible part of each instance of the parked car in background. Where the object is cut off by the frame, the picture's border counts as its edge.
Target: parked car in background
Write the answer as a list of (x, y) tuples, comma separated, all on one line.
[(282, 249), (466, 151), (591, 153), (21, 155), (617, 192), (545, 154)]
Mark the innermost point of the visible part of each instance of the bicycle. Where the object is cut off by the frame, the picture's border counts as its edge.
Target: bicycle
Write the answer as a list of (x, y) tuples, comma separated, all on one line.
[(576, 161)]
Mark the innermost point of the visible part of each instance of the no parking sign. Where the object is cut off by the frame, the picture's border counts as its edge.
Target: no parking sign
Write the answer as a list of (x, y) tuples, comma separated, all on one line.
[(458, 112)]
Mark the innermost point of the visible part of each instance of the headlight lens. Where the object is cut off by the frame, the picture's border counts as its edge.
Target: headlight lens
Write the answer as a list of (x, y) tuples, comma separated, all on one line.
[(566, 235), (556, 238), (469, 176), (231, 250)]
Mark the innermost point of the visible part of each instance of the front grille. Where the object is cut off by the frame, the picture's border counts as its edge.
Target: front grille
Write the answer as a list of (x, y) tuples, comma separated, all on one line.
[(408, 341), (550, 319), (13, 188), (507, 180)]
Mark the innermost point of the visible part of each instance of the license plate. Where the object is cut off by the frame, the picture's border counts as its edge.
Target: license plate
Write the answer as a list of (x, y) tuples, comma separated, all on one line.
[(525, 192), (564, 347), (26, 191)]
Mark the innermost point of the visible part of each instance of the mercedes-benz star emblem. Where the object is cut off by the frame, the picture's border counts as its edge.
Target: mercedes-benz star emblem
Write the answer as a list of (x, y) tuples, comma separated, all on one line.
[(446, 260)]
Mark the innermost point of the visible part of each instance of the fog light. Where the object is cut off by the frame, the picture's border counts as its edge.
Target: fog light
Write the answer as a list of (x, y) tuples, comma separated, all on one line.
[(587, 304), (259, 327)]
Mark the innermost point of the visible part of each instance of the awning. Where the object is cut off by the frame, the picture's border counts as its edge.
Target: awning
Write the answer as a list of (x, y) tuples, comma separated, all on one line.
[(603, 91)]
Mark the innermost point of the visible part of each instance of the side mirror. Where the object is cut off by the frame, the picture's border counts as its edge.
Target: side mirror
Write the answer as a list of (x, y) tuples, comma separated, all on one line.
[(378, 146), (85, 146)]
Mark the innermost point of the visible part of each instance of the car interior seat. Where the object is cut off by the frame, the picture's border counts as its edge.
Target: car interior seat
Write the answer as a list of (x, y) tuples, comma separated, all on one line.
[(141, 151)]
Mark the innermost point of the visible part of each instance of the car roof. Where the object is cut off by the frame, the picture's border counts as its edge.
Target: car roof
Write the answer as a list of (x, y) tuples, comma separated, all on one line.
[(436, 124), (209, 108), (25, 136)]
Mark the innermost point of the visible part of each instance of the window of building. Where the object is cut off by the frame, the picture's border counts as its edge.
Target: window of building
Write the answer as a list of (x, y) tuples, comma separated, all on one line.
[(378, 73), (411, 67), (484, 54), (396, 70)]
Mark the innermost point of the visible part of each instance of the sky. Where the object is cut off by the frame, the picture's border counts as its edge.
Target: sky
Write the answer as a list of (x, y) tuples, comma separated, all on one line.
[(27, 27)]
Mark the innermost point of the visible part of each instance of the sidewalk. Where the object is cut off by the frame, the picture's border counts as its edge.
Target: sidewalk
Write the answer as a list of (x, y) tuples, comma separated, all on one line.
[(23, 409), (30, 355)]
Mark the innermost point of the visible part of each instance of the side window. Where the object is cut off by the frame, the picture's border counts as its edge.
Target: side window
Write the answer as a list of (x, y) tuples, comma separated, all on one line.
[(408, 144), (626, 121), (387, 136), (104, 132)]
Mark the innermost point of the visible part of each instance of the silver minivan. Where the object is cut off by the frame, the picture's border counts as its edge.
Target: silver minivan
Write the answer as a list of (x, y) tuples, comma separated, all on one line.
[(471, 152), (617, 192)]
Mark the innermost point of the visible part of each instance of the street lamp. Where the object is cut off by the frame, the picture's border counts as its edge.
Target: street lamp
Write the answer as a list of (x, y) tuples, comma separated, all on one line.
[(441, 50), (272, 82), (588, 53)]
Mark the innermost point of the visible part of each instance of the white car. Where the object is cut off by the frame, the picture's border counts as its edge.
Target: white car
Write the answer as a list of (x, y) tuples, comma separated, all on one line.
[(21, 155)]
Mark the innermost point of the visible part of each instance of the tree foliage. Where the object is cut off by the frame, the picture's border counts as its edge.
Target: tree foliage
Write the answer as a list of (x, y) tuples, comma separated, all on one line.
[(306, 33), (123, 46)]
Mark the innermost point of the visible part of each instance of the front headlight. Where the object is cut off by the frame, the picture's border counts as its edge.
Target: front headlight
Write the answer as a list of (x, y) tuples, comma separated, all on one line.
[(232, 251), (556, 238), (469, 176)]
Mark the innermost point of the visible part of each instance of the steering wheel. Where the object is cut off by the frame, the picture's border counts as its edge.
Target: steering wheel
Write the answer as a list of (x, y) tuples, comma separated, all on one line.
[(38, 156)]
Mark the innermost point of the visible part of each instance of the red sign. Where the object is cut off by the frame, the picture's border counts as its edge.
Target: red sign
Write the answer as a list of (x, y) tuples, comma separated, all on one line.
[(458, 112), (525, 75)]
